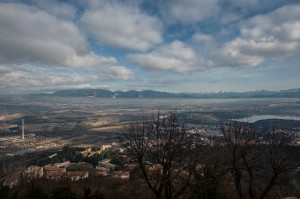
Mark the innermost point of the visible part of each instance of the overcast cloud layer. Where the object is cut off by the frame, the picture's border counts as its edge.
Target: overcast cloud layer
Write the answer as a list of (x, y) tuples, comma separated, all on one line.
[(175, 46)]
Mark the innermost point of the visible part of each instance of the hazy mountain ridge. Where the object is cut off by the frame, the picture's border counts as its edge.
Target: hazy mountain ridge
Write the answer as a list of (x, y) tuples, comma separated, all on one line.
[(101, 93)]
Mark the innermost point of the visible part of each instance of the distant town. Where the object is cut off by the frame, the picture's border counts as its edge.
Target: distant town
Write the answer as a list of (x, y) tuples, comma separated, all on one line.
[(78, 140)]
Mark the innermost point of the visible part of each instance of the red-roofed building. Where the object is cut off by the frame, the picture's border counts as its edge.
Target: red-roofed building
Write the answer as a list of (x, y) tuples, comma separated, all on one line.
[(54, 169), (121, 174), (48, 169), (71, 175)]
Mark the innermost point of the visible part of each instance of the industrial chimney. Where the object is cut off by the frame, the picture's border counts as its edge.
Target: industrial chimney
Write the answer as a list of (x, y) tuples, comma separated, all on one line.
[(23, 136)]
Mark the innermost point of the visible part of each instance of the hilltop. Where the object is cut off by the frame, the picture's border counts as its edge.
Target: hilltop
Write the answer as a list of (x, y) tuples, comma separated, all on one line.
[(101, 93)]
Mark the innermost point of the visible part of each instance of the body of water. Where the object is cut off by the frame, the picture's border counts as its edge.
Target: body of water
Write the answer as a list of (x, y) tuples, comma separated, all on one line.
[(255, 118)]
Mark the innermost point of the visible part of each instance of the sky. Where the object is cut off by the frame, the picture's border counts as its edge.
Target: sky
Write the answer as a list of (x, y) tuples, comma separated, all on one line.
[(164, 45)]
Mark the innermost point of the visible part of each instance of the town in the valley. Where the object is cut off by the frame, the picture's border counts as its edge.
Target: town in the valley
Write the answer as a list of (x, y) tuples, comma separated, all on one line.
[(52, 144)]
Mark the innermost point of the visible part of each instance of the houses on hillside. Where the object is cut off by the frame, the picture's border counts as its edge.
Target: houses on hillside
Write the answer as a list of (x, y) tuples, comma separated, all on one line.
[(69, 175), (105, 167), (33, 172), (80, 170), (13, 180), (121, 174)]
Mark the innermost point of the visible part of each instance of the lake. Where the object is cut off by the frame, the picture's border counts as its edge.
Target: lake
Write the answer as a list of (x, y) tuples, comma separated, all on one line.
[(255, 118)]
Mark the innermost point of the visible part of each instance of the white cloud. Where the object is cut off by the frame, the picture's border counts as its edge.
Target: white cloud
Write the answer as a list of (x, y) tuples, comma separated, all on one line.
[(120, 72), (200, 37), (18, 78), (188, 11), (122, 26), (229, 18), (57, 8), (230, 55), (174, 57), (31, 35), (275, 35), (24, 78)]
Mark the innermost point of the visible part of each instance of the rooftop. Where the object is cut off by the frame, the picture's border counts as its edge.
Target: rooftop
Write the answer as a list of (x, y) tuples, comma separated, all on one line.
[(68, 173)]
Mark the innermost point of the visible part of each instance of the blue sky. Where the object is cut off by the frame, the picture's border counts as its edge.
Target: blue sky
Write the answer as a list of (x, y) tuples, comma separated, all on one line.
[(165, 45)]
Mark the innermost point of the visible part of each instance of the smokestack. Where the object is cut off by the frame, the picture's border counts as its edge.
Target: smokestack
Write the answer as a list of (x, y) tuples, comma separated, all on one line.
[(23, 136)]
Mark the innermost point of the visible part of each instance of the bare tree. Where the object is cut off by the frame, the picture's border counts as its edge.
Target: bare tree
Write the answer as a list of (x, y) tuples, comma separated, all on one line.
[(254, 158), (278, 157), (165, 153)]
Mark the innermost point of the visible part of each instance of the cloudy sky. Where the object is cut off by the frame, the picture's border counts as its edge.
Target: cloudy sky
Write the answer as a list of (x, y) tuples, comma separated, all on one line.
[(166, 45)]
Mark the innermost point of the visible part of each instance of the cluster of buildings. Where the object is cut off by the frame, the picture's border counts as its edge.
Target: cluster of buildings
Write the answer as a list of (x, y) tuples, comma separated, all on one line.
[(54, 173), (6, 128), (34, 172), (9, 116), (88, 151), (47, 146), (10, 127), (106, 168), (58, 171)]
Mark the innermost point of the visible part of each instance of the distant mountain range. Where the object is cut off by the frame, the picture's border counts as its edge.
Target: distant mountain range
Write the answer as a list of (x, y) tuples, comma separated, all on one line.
[(101, 93)]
